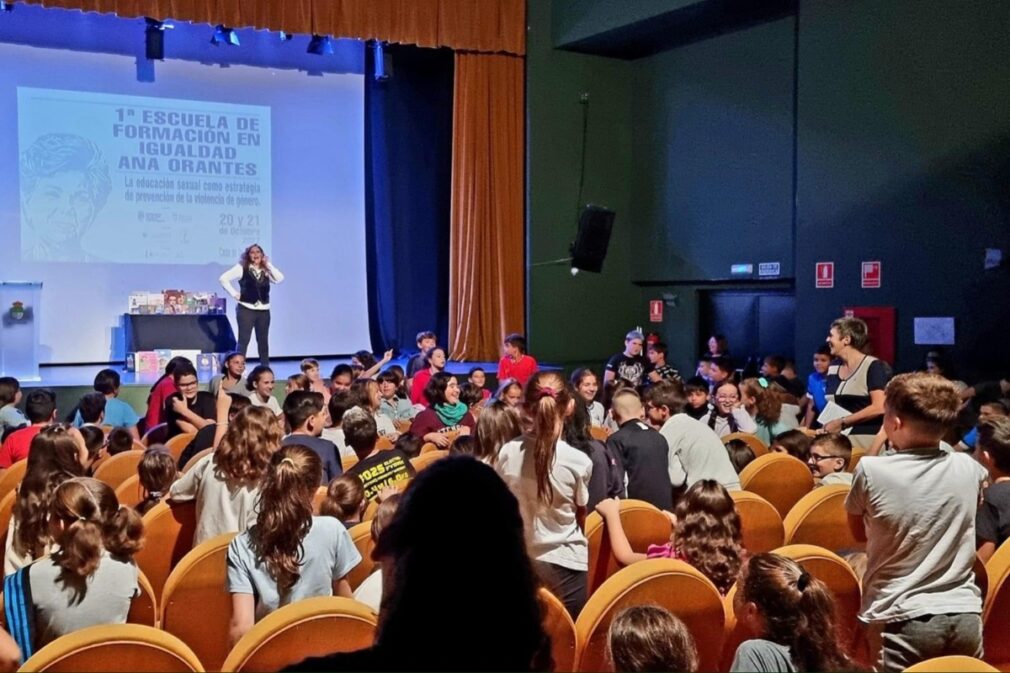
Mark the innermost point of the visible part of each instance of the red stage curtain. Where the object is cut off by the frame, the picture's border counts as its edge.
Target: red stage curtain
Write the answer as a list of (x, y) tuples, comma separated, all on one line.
[(473, 25), (486, 277)]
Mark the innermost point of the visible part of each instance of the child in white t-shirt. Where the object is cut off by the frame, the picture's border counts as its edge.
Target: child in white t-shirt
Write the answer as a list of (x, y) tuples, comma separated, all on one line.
[(916, 511), (550, 479)]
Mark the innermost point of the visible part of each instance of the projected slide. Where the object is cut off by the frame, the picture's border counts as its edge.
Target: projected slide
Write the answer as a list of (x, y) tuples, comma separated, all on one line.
[(141, 180)]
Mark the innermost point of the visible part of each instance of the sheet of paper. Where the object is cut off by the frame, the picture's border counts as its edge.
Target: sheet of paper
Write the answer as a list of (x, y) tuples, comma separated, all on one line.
[(832, 412)]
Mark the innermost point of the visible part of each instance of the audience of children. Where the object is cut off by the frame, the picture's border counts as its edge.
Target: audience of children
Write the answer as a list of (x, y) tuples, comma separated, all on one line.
[(916, 508), (434, 361), (659, 370), (365, 394), (345, 500), (288, 554)]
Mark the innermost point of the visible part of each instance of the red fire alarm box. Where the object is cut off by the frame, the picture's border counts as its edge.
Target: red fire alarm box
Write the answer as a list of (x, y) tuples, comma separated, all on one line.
[(881, 326)]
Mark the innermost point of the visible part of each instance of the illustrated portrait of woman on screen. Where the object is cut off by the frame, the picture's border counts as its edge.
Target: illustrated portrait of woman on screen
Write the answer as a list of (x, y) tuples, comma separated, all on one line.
[(64, 184)]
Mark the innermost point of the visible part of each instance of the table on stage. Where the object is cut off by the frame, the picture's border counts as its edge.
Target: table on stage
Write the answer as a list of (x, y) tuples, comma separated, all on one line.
[(210, 333)]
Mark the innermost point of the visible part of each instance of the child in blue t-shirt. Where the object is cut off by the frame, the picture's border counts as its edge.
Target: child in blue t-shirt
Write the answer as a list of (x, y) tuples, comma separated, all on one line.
[(118, 413), (817, 386)]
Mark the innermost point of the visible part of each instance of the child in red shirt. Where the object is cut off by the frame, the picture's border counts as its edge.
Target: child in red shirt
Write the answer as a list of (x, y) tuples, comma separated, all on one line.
[(516, 364)]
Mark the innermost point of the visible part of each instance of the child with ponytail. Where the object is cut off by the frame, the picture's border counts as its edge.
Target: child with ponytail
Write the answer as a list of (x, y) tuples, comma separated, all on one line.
[(791, 615), (550, 478), (289, 554), (157, 472), (90, 579)]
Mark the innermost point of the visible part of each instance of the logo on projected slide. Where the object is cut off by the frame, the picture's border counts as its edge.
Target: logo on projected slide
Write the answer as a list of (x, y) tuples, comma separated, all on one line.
[(18, 310)]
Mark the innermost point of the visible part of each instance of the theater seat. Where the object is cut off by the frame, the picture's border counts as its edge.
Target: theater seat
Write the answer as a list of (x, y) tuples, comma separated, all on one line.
[(778, 478), (424, 460), (195, 606), (144, 608), (156, 435), (118, 468), (599, 433), (670, 584), (760, 522), (347, 462), (384, 444), (168, 536), (130, 493), (12, 476), (996, 609), (117, 648), (309, 628), (361, 535), (951, 663), (819, 518), (753, 441), (6, 512), (559, 626), (178, 444), (643, 524)]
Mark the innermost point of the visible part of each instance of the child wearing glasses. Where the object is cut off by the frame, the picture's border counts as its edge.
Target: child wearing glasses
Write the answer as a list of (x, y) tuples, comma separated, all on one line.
[(829, 458)]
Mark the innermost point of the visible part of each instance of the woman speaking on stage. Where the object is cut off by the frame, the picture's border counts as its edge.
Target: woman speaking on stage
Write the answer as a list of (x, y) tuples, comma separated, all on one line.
[(254, 273)]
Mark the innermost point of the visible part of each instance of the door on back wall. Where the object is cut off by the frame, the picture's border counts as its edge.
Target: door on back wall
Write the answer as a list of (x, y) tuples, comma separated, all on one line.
[(756, 323)]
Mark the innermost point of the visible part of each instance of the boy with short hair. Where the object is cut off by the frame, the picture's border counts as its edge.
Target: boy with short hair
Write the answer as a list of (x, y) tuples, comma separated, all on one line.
[(40, 407), (516, 363), (119, 441), (426, 340), (118, 413), (376, 469), (696, 390), (306, 415), (643, 453), (660, 371), (720, 371), (11, 417), (916, 512), (828, 459), (986, 411), (992, 523), (817, 386), (695, 451), (90, 410)]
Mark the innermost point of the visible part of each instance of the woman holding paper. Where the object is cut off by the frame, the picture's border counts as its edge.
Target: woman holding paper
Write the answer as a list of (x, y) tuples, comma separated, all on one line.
[(855, 384), (254, 274)]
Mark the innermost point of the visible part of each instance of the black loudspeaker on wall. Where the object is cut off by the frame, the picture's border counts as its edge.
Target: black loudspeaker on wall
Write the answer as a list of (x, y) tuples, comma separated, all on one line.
[(590, 246)]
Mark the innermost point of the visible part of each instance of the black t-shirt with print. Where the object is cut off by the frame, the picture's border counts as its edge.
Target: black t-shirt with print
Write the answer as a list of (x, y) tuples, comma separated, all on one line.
[(627, 367), (383, 469)]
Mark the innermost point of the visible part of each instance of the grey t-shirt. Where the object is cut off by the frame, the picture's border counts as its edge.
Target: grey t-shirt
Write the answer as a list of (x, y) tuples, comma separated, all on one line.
[(328, 554), (992, 523), (11, 417), (762, 656), (106, 598)]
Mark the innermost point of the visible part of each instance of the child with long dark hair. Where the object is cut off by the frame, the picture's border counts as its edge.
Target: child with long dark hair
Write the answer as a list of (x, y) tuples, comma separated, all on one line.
[(57, 453), (791, 615), (587, 386), (497, 425), (706, 533), (289, 554), (550, 478)]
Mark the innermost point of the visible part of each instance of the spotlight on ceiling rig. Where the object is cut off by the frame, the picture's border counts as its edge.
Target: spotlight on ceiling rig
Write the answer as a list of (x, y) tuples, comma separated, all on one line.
[(154, 39), (321, 45)]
